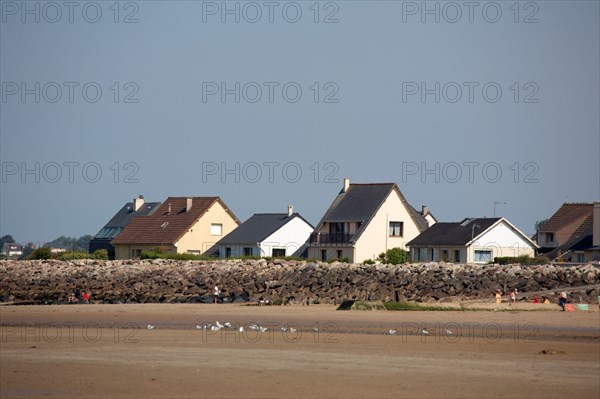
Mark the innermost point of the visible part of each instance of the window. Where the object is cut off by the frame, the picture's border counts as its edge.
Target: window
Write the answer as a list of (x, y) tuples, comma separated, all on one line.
[(323, 255), (339, 253), (216, 229), (418, 254), (444, 255), (434, 254), (278, 252), (580, 257), (137, 252), (247, 251), (193, 252), (483, 256), (549, 237), (227, 252), (457, 255), (396, 229), (337, 227)]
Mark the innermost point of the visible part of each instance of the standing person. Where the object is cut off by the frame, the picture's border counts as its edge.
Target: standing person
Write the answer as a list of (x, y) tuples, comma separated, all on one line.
[(77, 295), (562, 300), (86, 297), (498, 296), (513, 295), (216, 294)]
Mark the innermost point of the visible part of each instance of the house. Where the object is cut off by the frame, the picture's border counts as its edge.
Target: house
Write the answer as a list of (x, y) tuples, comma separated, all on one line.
[(180, 225), (118, 222), (473, 240), (568, 233), (365, 220), (267, 234), (12, 249)]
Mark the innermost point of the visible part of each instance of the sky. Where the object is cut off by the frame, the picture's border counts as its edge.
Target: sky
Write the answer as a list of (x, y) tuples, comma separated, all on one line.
[(467, 106)]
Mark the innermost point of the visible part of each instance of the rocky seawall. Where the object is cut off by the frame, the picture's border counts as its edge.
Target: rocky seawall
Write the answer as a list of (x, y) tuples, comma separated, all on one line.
[(143, 281)]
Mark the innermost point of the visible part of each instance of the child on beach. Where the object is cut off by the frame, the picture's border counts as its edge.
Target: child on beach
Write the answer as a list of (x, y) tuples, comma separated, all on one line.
[(498, 296)]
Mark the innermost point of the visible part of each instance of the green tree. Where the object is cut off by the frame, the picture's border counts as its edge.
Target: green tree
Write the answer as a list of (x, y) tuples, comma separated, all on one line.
[(539, 224), (7, 238)]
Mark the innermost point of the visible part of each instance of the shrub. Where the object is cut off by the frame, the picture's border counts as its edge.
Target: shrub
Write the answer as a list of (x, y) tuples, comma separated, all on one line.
[(41, 253), (345, 259), (368, 262), (160, 255), (523, 259), (100, 254), (394, 256)]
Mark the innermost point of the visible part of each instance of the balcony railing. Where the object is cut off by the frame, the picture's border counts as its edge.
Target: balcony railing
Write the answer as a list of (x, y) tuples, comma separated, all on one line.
[(330, 238)]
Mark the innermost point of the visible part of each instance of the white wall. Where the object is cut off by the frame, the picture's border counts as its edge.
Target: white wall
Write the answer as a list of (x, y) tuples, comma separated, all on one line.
[(292, 236), (375, 239), (503, 240)]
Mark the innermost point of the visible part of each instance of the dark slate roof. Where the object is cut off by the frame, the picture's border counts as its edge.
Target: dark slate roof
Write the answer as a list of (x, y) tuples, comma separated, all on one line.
[(420, 218), (361, 202), (258, 227), (456, 233), (164, 227), (122, 218)]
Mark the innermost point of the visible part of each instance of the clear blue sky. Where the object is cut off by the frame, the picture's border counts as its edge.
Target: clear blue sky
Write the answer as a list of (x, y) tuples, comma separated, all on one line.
[(387, 93)]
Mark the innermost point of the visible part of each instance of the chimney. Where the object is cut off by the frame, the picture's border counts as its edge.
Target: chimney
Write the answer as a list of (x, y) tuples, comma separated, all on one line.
[(596, 225), (169, 209), (346, 184), (138, 202), (290, 210), (424, 210), (188, 204)]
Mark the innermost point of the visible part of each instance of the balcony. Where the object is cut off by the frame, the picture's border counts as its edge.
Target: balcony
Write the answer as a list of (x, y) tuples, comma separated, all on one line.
[(329, 238)]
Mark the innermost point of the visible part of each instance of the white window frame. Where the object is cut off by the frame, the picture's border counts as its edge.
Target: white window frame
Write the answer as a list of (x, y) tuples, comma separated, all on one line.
[(477, 259), (214, 231)]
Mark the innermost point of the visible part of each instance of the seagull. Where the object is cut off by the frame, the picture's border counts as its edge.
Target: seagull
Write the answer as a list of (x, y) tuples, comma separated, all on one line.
[(448, 332), (284, 329), (227, 324), (241, 328), (293, 330), (219, 325), (215, 328), (198, 327), (263, 329), (392, 332), (425, 332), (253, 327), (151, 327)]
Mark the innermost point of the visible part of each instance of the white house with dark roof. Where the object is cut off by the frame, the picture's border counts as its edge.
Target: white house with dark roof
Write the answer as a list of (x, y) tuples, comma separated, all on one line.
[(267, 234), (473, 240), (365, 220)]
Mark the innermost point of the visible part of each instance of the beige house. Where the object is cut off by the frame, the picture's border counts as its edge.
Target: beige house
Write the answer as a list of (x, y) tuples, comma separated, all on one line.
[(572, 234), (180, 225), (365, 220), (473, 240)]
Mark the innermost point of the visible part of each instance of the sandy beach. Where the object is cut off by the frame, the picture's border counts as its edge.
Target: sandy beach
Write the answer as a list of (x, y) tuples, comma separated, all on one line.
[(107, 351)]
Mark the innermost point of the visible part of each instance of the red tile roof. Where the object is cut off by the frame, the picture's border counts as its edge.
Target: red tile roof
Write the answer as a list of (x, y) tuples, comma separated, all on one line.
[(568, 213), (164, 227)]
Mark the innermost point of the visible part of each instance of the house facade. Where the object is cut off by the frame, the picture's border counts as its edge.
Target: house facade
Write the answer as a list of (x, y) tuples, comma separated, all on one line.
[(568, 235), (138, 207), (267, 234), (180, 225), (363, 221), (473, 240)]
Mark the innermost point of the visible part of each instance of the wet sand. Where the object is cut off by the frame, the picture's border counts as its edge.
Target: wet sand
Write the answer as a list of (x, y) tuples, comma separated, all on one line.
[(107, 351)]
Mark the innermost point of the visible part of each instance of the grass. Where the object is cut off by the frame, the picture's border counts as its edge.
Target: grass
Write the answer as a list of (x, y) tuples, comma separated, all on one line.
[(408, 306)]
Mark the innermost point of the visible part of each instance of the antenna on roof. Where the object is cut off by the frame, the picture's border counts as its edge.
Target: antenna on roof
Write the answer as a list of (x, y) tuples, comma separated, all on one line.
[(497, 203)]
